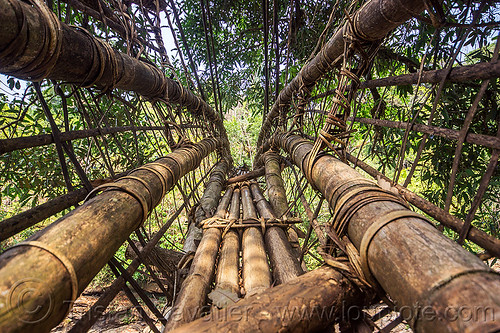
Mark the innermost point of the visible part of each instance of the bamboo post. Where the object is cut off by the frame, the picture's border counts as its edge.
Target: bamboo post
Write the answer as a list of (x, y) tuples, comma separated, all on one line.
[(207, 205), (41, 277), (189, 303), (256, 274), (284, 262), (433, 281), (309, 303)]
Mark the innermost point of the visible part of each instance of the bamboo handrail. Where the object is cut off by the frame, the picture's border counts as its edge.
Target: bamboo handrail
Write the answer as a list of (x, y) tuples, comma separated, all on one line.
[(61, 260)]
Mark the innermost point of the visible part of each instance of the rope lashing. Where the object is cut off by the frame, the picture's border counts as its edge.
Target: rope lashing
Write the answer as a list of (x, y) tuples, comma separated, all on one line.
[(33, 67), (122, 188), (63, 260), (374, 228)]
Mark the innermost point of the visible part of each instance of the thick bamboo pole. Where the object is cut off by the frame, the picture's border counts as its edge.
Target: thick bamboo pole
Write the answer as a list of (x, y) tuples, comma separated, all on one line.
[(308, 303), (432, 280), (283, 261), (192, 296), (372, 22), (34, 45), (256, 274), (41, 277), (487, 242), (207, 205)]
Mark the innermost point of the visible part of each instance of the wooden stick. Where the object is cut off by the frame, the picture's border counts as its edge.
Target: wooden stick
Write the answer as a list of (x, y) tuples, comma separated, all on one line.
[(8, 145), (478, 139), (247, 176), (480, 71)]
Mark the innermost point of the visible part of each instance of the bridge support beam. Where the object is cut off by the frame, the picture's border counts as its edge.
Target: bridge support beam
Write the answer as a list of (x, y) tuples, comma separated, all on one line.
[(41, 277), (438, 285)]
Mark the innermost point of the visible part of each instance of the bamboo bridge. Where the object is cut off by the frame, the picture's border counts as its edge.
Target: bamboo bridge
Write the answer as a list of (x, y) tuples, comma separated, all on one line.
[(243, 255)]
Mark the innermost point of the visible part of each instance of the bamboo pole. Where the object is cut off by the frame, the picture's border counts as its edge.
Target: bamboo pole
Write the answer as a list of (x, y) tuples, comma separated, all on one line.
[(487, 242), (8, 145), (192, 297), (40, 46), (309, 303), (427, 275), (60, 261), (284, 262), (479, 71), (277, 197), (207, 205), (488, 141), (256, 274), (372, 22)]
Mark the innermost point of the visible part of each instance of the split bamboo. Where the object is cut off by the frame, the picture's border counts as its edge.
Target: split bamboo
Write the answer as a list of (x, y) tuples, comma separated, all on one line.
[(371, 23), (193, 294), (309, 303), (35, 45), (60, 261), (284, 262), (227, 278), (430, 278), (256, 274)]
